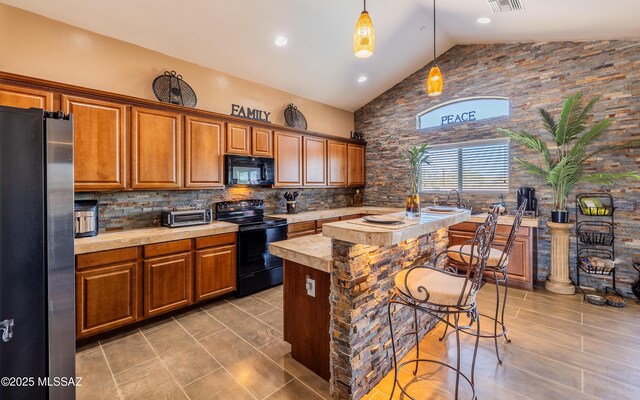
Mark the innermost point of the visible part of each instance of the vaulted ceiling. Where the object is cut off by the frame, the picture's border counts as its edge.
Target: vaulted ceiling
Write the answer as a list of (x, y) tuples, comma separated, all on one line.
[(237, 37)]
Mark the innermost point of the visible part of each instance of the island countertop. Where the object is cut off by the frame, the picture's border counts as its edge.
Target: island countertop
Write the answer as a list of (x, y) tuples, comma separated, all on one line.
[(355, 231), (313, 251), (507, 220)]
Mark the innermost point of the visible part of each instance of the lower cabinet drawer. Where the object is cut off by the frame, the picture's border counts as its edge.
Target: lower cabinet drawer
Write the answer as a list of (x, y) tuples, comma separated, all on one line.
[(215, 272), (106, 298), (168, 283)]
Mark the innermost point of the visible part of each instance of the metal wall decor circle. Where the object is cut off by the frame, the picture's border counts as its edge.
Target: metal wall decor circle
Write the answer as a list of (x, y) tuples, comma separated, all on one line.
[(363, 36), (171, 88), (294, 118)]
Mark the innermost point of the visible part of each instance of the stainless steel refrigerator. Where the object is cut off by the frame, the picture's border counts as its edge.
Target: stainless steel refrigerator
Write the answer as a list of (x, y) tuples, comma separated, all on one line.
[(37, 273)]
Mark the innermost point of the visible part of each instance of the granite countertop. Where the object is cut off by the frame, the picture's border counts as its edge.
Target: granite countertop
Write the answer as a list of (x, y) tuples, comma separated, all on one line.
[(138, 237), (372, 235), (507, 220), (334, 213), (313, 251)]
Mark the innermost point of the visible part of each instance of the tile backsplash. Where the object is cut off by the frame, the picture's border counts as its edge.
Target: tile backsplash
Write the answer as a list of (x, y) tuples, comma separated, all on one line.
[(141, 209)]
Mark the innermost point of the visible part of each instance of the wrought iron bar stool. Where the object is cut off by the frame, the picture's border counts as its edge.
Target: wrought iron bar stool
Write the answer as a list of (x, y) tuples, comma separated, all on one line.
[(497, 267), (439, 292)]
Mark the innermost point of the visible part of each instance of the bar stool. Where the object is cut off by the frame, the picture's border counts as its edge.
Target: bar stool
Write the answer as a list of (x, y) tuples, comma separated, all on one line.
[(497, 266), (439, 292)]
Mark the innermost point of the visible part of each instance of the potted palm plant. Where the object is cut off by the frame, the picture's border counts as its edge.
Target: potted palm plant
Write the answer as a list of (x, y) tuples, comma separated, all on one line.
[(416, 155), (564, 168)]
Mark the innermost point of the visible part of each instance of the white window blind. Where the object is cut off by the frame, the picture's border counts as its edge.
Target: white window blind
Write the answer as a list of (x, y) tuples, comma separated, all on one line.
[(467, 167)]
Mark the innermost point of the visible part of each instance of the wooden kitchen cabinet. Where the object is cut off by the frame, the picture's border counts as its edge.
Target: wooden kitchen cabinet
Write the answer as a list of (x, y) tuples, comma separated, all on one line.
[(355, 163), (262, 142), (337, 163), (321, 222), (19, 97), (238, 139), (107, 291), (299, 229), (203, 153), (100, 143), (522, 261), (352, 216), (168, 277), (288, 159), (215, 272), (314, 161), (156, 149)]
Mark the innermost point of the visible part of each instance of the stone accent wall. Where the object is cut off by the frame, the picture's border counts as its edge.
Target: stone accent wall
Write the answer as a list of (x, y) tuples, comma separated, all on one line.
[(141, 209), (361, 283), (532, 75)]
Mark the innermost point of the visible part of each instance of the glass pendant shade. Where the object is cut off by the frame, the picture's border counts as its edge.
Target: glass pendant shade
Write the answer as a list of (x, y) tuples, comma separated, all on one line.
[(434, 82), (363, 37)]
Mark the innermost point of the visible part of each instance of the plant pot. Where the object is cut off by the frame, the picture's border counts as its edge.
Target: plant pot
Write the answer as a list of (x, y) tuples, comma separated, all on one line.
[(413, 206), (560, 216)]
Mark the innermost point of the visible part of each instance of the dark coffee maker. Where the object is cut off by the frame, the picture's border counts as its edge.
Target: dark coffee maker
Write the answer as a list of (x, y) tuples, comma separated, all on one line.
[(528, 194)]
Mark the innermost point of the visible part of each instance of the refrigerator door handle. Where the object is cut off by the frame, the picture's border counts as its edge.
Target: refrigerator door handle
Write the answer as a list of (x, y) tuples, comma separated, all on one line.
[(6, 327)]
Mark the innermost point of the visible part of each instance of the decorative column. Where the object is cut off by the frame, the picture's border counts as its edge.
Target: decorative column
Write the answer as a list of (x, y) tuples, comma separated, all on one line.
[(559, 281)]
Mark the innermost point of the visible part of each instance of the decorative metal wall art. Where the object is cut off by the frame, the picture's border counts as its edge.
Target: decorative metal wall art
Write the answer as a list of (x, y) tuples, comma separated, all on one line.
[(171, 88), (294, 118)]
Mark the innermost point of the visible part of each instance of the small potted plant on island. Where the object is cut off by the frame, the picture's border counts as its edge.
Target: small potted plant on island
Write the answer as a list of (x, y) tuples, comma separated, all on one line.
[(563, 169), (416, 155)]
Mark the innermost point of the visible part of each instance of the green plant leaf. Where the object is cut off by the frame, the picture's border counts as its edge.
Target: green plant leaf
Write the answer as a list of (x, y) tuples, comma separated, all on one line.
[(579, 148), (531, 167), (607, 179), (530, 141), (569, 114), (549, 123)]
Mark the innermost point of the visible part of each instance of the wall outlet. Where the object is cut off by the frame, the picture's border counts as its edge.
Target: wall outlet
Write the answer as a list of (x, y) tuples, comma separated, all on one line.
[(311, 287)]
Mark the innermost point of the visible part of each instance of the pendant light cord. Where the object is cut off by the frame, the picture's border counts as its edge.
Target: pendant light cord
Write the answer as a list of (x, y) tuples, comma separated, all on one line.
[(434, 31), (365, 5)]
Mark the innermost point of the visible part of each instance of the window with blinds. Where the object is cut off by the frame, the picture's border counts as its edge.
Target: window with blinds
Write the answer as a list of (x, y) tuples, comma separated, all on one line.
[(467, 167)]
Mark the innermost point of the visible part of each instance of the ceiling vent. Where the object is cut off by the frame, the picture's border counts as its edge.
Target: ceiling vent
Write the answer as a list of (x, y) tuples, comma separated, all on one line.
[(500, 6)]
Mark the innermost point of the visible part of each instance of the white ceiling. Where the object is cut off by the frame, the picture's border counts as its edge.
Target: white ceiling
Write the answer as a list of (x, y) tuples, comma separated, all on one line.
[(237, 36)]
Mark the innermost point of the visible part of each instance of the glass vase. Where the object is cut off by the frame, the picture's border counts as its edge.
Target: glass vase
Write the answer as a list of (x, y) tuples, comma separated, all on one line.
[(413, 206)]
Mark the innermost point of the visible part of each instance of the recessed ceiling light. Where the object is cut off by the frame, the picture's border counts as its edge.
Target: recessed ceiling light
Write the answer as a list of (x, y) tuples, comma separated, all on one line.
[(281, 41), (483, 20), (362, 79)]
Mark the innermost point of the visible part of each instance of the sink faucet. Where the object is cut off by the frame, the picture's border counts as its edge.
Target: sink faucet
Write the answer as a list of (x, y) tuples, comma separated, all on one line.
[(457, 194)]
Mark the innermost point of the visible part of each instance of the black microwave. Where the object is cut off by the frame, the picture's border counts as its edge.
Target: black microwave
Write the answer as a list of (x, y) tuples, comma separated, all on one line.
[(249, 171)]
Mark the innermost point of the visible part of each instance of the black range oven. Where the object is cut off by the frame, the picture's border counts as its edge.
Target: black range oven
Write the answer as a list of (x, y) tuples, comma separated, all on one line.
[(257, 268)]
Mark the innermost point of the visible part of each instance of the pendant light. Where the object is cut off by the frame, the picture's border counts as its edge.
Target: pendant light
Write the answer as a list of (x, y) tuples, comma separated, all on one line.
[(434, 81), (363, 37)]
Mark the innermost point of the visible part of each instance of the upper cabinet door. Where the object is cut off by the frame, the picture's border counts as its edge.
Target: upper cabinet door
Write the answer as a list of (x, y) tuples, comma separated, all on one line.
[(238, 139), (204, 158), (156, 149), (315, 161), (288, 155), (262, 142), (337, 163), (355, 163), (15, 96), (100, 143)]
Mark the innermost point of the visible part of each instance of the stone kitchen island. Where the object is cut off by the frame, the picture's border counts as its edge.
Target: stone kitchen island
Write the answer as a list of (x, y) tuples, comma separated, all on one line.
[(336, 287)]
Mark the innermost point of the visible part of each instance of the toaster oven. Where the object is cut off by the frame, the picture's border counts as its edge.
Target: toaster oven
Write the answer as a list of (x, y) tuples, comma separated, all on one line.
[(176, 219)]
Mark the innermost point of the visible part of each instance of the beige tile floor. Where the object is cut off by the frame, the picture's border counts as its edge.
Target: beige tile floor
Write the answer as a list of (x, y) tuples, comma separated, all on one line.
[(230, 349), (562, 348)]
